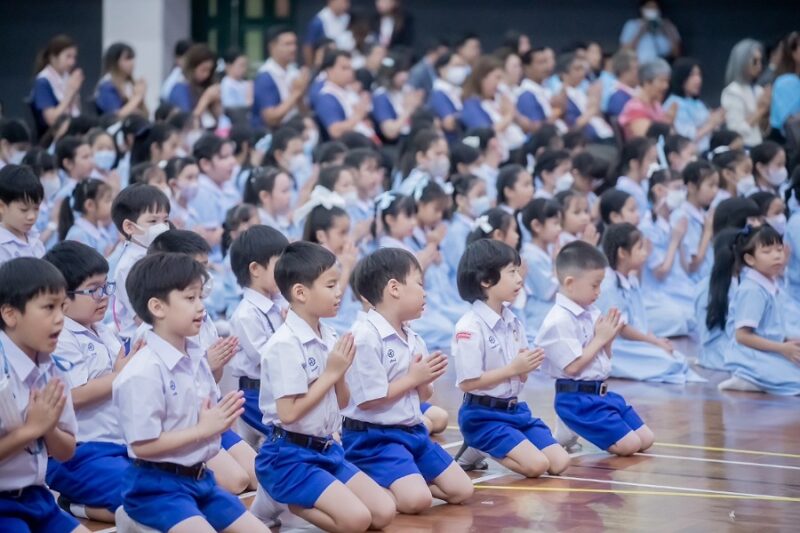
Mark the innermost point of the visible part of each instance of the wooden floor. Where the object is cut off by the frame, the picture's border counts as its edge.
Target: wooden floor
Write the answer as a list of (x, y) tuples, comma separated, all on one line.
[(721, 462)]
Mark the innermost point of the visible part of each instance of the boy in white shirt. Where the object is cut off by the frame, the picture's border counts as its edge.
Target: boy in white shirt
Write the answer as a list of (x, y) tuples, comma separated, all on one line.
[(577, 343), (36, 416), (21, 194)]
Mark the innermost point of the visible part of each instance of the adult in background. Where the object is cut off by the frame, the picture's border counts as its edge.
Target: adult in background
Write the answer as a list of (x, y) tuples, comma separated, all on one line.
[(746, 103), (645, 108), (56, 90), (651, 36)]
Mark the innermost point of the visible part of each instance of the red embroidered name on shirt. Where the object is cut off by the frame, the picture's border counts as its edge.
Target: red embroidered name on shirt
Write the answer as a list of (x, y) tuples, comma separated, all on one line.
[(463, 335)]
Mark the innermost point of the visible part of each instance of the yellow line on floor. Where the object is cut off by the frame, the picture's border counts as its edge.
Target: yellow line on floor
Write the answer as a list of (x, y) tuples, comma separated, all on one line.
[(764, 497)]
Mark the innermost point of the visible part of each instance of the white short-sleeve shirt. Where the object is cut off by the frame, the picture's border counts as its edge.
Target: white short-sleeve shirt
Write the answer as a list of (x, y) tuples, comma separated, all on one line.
[(486, 341), (291, 361), (12, 246), (254, 321), (565, 331), (28, 467), (122, 311), (383, 356), (91, 354), (162, 390)]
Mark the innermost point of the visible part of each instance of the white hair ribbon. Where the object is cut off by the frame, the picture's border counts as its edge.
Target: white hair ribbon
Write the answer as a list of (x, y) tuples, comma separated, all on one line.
[(482, 223), (320, 196)]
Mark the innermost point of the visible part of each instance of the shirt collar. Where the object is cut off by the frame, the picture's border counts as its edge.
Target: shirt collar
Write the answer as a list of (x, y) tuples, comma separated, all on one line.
[(385, 330), (769, 285), (168, 354), (262, 303), (6, 236), (19, 360), (301, 328), (570, 305), (486, 313), (694, 212), (88, 227)]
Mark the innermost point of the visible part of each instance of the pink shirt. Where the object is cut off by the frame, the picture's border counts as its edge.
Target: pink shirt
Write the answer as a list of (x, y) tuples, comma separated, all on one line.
[(636, 109)]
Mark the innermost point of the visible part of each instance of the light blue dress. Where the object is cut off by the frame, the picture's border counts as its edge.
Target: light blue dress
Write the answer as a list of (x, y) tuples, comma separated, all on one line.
[(669, 303), (789, 297), (541, 285), (639, 360), (691, 116), (691, 241), (714, 343), (83, 231), (755, 305)]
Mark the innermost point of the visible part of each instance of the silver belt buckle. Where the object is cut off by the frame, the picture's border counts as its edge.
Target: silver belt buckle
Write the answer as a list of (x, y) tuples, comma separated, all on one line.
[(201, 472), (603, 388), (328, 444)]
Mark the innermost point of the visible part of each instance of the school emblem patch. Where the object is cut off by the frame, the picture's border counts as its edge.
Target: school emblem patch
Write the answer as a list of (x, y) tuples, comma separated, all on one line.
[(90, 347), (492, 340), (173, 387), (312, 362), (390, 354)]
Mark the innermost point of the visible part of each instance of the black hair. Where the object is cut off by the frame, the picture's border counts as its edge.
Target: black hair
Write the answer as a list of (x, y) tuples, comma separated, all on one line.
[(353, 139), (612, 201), (39, 160), (179, 241), (157, 275), (321, 219), (381, 266), (232, 54), (763, 200), (175, 166), (301, 262), (243, 137), (88, 189), (507, 179), (462, 184), (697, 172), (549, 160), (539, 209), (585, 163), (358, 156), (464, 154), (498, 219), (399, 204), (727, 160), (234, 218), (332, 56), (730, 247), (420, 142), (681, 70), (578, 257), (733, 213), (134, 200), (19, 183), (483, 262), (618, 237), (66, 148), (280, 142), (14, 131), (675, 144), (793, 190), (543, 139), (574, 139), (484, 136), (565, 198), (261, 179), (764, 153), (181, 47), (273, 32), (442, 61), (23, 279), (723, 138), (431, 191), (633, 150), (258, 244), (328, 176), (327, 152), (143, 173), (76, 262), (207, 146)]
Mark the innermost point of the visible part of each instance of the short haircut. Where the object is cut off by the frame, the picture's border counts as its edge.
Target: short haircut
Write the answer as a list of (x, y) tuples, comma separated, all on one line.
[(549, 160), (208, 146), (539, 209), (301, 262), (157, 275), (67, 147), (134, 200), (619, 236), (329, 176), (329, 151), (377, 269), (358, 156), (23, 279), (697, 172), (14, 131), (76, 262), (577, 258), (257, 244), (482, 262), (612, 201), (18, 182), (180, 241), (276, 31)]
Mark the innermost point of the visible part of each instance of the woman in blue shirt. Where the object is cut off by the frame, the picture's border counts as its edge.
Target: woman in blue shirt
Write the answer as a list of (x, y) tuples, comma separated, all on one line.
[(786, 89), (693, 120), (197, 93), (445, 98), (394, 101), (117, 93), (56, 90)]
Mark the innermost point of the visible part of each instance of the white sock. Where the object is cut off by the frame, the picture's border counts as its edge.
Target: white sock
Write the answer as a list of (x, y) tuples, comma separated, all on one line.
[(265, 508), (471, 456), (78, 510), (565, 436), (737, 383)]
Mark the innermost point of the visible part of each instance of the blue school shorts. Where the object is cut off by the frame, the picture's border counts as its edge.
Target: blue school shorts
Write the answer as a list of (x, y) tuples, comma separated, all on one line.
[(34, 509), (252, 415), (424, 406), (388, 454), (92, 476), (161, 500), (230, 439), (497, 432), (296, 475), (602, 420)]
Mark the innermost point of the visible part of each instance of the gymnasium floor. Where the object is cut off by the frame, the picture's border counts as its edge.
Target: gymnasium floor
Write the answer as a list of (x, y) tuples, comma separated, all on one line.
[(721, 462)]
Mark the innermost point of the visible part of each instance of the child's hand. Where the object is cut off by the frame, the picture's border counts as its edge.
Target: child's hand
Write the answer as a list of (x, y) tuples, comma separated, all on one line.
[(608, 326), (527, 361), (221, 352), (348, 257), (45, 406), (437, 234), (424, 371), (219, 418), (122, 359), (664, 344), (590, 235), (342, 355), (791, 350)]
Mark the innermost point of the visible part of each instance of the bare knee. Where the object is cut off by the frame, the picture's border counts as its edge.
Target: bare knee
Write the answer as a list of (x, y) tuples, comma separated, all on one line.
[(358, 519), (460, 493), (629, 445), (383, 512), (535, 466), (646, 437), (414, 503), (437, 418), (559, 461)]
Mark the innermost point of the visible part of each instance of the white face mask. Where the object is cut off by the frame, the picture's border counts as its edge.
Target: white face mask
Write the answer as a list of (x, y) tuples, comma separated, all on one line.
[(311, 143), (188, 192), (104, 159), (350, 198), (151, 233), (457, 74), (479, 206), (651, 14), (440, 168), (51, 185), (180, 152), (300, 168), (746, 185), (564, 182), (776, 176), (16, 157), (675, 199), (778, 223)]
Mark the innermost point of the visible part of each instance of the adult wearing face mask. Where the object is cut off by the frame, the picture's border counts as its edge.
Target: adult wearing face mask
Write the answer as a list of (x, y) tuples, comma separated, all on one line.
[(651, 36), (445, 98), (15, 141)]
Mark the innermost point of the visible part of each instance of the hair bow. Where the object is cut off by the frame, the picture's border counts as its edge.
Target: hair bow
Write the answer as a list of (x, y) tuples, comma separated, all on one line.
[(383, 201), (746, 230), (264, 143), (419, 188), (482, 223), (473, 141), (320, 196), (448, 188)]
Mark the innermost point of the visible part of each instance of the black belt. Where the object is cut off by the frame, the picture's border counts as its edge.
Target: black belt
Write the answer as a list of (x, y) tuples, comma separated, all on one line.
[(501, 404), (359, 425), (195, 471), (318, 444), (589, 387), (246, 383), (13, 494)]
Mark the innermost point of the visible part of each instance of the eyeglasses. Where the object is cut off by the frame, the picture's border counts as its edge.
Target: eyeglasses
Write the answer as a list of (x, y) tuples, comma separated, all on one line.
[(98, 293)]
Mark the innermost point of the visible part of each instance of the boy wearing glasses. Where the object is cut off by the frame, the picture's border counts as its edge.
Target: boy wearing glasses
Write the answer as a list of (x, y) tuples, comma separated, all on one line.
[(92, 356)]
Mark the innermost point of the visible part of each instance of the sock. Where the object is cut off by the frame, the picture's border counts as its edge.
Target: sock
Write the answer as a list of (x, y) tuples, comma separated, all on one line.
[(565, 436), (78, 510), (737, 383), (471, 457), (265, 508)]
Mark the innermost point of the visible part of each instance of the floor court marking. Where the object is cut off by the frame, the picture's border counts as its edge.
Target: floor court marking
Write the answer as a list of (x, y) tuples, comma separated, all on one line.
[(722, 461), (452, 444)]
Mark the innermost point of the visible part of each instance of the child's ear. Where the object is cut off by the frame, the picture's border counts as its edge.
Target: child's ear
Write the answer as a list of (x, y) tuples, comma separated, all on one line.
[(615, 217), (321, 237), (157, 308), (263, 197), (299, 293), (129, 227), (253, 268), (568, 282), (749, 260), (622, 254), (536, 227), (89, 205), (10, 315), (393, 288)]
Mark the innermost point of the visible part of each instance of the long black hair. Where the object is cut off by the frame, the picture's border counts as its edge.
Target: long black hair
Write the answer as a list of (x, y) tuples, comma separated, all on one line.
[(730, 247)]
